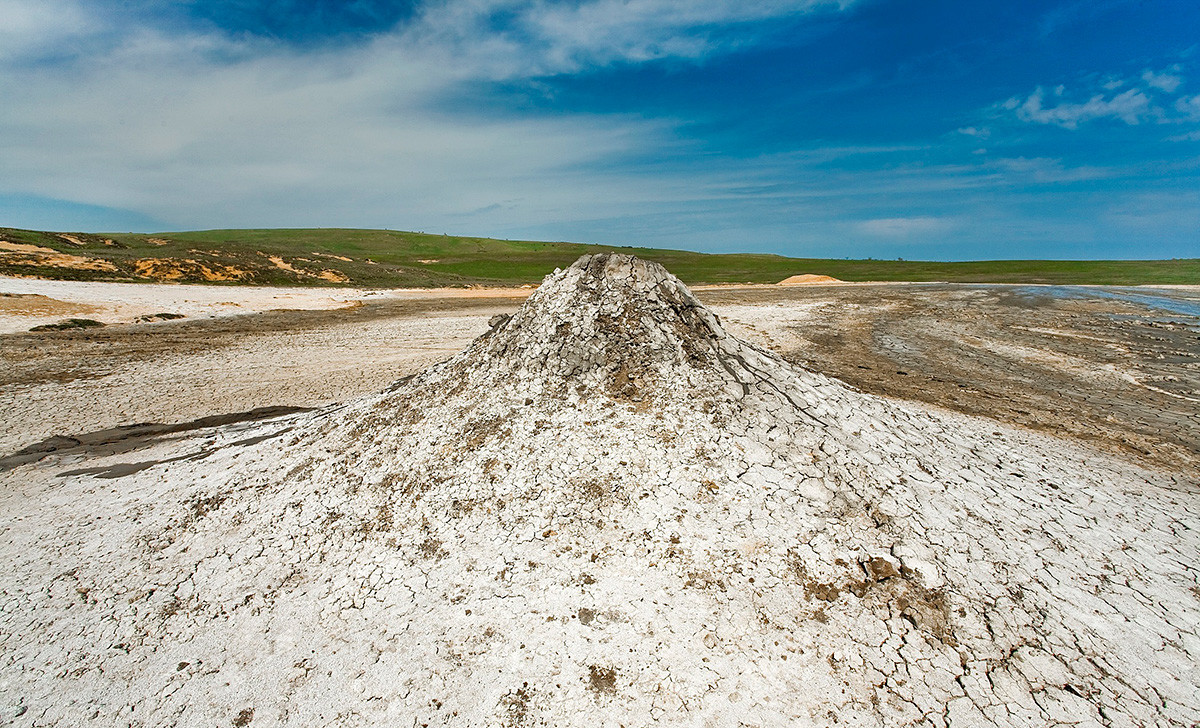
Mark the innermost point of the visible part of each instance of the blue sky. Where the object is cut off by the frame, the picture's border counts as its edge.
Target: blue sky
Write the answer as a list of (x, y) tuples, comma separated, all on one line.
[(853, 128)]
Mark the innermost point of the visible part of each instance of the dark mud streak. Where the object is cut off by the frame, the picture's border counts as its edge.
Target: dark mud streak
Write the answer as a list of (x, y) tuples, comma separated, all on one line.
[(120, 470), (128, 438)]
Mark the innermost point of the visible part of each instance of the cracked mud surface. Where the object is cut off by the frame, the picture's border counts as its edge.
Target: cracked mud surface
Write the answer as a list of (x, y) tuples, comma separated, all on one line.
[(606, 511), (1071, 361), (80, 382), (1121, 376)]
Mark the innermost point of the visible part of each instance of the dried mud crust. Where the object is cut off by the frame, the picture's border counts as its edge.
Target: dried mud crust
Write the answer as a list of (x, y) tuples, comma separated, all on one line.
[(1123, 377), (606, 511), (67, 356), (999, 351), (70, 382)]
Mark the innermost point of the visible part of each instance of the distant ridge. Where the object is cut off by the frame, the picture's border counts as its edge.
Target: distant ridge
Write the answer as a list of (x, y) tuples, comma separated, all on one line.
[(394, 259)]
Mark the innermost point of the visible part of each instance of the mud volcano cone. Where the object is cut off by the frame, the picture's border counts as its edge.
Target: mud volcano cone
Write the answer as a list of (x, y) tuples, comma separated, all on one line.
[(608, 511)]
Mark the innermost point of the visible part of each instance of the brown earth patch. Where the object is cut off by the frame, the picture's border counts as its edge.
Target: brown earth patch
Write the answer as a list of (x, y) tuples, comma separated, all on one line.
[(333, 276), (327, 275), (23, 254), (34, 304), (602, 679), (165, 269)]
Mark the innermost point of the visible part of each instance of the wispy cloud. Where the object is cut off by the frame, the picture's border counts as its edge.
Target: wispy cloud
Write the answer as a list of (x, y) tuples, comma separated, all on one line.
[(1164, 81), (1045, 171), (905, 227), (1131, 106), (1157, 213), (502, 39), (30, 30), (1145, 99), (974, 131), (1189, 106), (1066, 15), (198, 126), (602, 31)]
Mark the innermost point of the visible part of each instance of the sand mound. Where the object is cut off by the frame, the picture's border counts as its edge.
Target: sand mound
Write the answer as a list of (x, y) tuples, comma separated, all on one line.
[(807, 279), (606, 511)]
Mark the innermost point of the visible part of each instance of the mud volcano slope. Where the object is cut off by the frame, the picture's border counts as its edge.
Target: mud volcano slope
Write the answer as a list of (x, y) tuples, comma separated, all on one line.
[(606, 512)]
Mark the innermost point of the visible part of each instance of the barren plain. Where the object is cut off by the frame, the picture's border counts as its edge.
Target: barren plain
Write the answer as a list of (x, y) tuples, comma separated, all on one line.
[(1117, 367), (617, 504)]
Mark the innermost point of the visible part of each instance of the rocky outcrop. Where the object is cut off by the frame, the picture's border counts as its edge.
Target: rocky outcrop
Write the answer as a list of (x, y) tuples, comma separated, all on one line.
[(607, 511)]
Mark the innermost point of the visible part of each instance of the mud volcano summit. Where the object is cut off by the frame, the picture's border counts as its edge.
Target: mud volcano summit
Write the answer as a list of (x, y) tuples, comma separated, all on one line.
[(607, 511)]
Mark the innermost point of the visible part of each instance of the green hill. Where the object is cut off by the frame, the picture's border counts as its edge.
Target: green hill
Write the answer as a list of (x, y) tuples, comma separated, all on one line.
[(386, 258)]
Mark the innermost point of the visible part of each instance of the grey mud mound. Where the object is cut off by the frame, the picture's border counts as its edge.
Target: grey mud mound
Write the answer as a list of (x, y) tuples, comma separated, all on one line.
[(607, 511)]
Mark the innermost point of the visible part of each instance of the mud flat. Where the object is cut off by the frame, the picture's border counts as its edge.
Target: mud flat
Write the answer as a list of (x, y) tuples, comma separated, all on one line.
[(70, 382), (1106, 365), (29, 302), (1116, 367), (609, 509)]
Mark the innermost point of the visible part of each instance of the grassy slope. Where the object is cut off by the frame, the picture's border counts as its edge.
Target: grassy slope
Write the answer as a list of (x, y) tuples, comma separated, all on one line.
[(385, 258)]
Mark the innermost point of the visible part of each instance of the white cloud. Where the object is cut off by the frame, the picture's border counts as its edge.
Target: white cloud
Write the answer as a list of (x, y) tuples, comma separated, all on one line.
[(1042, 171), (602, 31), (1162, 81), (905, 227), (203, 129), (1158, 213), (1145, 99), (35, 28), (539, 37), (1130, 106), (1189, 106)]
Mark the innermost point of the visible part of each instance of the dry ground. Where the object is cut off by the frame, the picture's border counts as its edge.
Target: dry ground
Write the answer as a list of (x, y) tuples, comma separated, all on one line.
[(612, 510), (1118, 374)]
